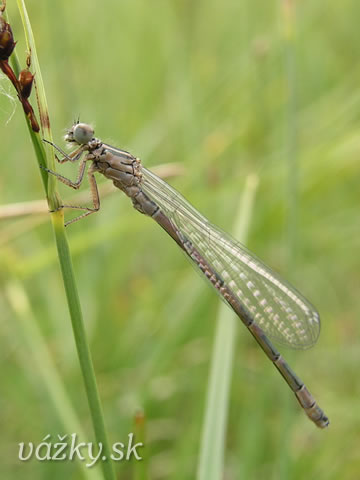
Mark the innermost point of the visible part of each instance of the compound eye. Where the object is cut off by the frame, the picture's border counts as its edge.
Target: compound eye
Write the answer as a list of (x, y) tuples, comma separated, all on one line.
[(83, 133)]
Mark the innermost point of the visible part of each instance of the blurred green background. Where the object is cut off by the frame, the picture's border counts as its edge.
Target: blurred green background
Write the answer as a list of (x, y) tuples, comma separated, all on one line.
[(226, 88)]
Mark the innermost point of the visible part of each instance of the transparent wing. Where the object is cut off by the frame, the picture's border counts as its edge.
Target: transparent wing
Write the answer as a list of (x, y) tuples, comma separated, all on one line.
[(277, 307)]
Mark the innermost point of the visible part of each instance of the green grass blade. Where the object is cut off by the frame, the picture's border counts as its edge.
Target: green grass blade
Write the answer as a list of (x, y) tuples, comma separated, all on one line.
[(34, 136), (141, 467), (44, 154), (290, 120), (82, 346), (211, 457)]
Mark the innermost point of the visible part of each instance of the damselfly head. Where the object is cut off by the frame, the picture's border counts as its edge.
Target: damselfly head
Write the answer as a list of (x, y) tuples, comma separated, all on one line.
[(80, 133)]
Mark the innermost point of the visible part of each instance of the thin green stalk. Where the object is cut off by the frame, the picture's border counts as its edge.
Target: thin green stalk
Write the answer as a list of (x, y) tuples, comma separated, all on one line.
[(34, 136), (72, 296), (288, 11), (82, 345), (141, 467), (211, 457)]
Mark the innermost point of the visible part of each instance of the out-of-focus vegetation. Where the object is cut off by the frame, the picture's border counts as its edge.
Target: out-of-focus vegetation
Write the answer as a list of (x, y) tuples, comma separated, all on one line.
[(227, 88)]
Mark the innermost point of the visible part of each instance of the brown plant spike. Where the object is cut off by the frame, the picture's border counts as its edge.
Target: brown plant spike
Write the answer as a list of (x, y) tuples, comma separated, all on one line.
[(22, 85)]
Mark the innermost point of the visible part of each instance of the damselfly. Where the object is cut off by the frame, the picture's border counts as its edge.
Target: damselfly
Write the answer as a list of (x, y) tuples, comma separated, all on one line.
[(266, 304)]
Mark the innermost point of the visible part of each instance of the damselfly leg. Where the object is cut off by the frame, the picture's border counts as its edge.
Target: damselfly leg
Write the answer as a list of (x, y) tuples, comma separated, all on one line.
[(73, 157)]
